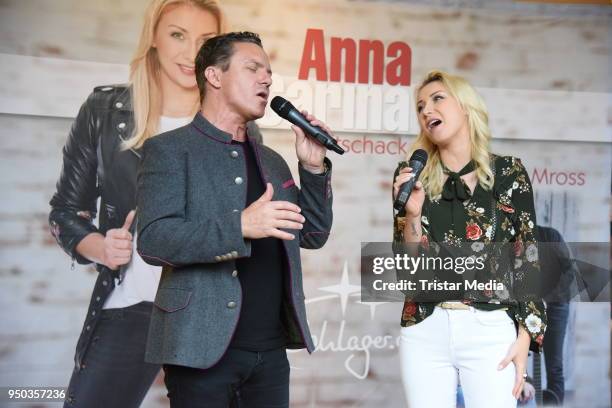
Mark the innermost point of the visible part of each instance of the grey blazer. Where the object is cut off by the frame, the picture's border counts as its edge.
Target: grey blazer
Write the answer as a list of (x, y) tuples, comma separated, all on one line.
[(191, 192)]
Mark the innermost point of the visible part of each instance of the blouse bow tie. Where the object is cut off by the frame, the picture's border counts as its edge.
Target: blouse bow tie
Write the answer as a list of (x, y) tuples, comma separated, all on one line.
[(454, 188), (456, 192)]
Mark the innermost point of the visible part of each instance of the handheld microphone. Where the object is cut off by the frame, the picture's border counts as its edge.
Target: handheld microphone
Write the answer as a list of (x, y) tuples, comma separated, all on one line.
[(286, 110), (417, 163)]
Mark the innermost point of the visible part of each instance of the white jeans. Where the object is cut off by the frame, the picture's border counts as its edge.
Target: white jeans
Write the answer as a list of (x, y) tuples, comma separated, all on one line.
[(464, 344)]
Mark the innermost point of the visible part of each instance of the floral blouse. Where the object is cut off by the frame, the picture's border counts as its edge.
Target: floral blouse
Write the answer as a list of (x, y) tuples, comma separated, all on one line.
[(506, 216)]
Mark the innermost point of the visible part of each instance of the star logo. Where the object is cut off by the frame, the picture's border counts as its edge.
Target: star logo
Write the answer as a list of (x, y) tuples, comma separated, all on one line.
[(343, 290)]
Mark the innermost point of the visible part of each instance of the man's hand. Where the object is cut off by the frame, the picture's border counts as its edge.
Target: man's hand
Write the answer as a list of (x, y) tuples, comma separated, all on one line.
[(118, 244), (264, 217), (309, 152)]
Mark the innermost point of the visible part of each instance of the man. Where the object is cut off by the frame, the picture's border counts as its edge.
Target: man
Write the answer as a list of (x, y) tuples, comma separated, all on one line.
[(225, 219), (559, 285)]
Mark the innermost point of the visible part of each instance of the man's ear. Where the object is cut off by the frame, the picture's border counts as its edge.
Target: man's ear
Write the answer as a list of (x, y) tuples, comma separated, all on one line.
[(213, 76)]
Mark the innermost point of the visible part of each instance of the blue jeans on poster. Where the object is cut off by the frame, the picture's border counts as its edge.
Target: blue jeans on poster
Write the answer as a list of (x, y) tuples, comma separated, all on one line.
[(557, 314)]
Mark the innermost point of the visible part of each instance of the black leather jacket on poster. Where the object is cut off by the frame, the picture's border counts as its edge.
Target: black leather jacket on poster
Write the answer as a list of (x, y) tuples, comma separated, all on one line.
[(95, 166)]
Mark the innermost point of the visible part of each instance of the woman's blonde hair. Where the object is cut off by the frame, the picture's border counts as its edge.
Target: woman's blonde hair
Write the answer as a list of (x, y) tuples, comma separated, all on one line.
[(480, 135), (144, 69)]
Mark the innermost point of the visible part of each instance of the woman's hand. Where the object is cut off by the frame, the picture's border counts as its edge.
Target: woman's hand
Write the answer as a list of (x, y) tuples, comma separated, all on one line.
[(118, 244), (111, 250), (417, 197), (528, 393), (518, 355)]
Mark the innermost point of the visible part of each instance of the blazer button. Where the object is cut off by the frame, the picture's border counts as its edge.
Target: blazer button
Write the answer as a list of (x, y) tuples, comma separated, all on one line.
[(104, 283), (119, 105), (238, 180), (231, 305), (235, 210), (234, 274), (234, 254), (121, 125), (234, 154), (217, 258)]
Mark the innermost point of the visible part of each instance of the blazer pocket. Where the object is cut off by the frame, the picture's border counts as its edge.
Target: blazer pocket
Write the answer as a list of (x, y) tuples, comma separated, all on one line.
[(172, 299), (288, 183)]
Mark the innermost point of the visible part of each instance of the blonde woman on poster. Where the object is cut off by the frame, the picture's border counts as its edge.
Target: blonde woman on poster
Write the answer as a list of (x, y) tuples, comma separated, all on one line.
[(100, 160), (467, 198)]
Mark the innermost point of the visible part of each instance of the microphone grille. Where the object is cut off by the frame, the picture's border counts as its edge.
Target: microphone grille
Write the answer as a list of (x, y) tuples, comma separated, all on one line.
[(280, 105), (419, 155)]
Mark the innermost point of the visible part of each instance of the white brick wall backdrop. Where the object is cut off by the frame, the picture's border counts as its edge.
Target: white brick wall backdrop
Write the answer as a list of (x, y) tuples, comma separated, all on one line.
[(544, 71)]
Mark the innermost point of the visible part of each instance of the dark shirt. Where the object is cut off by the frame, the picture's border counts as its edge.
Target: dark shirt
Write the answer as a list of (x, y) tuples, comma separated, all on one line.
[(503, 215), (261, 277), (559, 271)]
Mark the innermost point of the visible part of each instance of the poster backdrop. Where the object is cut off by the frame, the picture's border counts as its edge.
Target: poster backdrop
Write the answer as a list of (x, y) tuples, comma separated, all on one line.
[(544, 71)]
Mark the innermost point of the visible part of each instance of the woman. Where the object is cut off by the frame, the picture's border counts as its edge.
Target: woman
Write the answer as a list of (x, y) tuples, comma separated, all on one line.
[(466, 200), (101, 159)]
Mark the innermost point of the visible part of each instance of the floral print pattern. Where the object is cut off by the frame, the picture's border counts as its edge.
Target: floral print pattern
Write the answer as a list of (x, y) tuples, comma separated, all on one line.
[(504, 215)]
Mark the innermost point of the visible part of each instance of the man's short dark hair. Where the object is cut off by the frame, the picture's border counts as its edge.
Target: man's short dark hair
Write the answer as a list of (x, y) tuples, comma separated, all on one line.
[(218, 51)]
